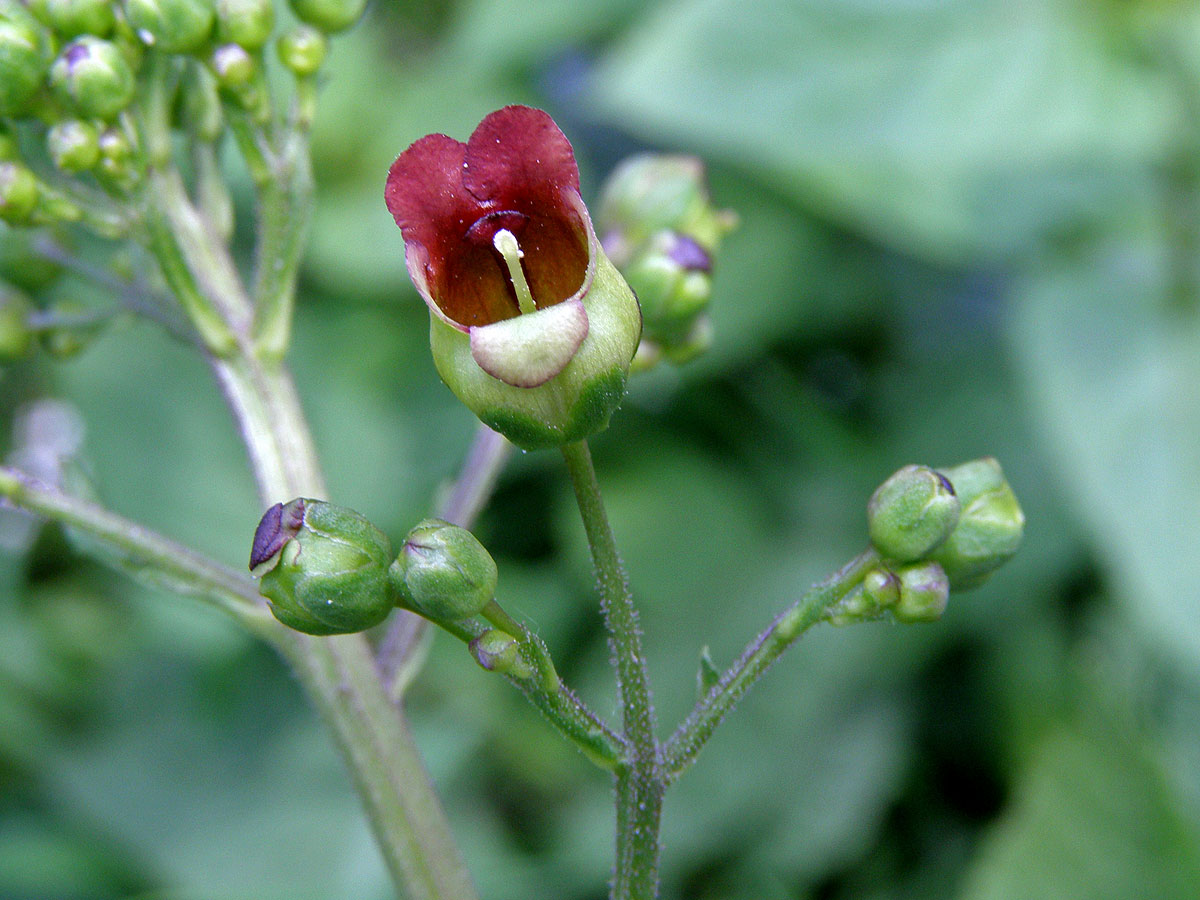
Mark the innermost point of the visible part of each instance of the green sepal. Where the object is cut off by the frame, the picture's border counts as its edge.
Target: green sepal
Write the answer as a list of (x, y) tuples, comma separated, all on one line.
[(924, 593), (989, 529), (443, 573), (575, 403)]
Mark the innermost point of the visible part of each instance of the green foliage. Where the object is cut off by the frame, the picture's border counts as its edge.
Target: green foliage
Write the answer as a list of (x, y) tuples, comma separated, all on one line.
[(951, 245)]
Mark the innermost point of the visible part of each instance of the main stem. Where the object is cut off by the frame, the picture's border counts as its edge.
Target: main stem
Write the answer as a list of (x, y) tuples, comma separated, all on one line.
[(639, 780)]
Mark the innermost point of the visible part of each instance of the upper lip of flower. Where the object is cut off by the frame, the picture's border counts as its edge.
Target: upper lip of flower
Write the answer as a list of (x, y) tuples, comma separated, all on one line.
[(517, 171)]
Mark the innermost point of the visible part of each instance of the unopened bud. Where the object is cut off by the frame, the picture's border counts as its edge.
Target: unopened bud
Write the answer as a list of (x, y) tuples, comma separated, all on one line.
[(500, 653), (329, 15), (911, 513), (18, 192), (71, 18), (93, 77), (302, 49), (924, 593), (16, 337), (25, 54), (74, 145), (443, 573), (877, 592), (989, 529), (233, 66), (245, 22), (323, 567), (175, 26)]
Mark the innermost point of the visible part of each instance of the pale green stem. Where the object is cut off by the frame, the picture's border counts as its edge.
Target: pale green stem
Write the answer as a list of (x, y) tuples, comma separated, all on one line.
[(639, 782), (681, 748)]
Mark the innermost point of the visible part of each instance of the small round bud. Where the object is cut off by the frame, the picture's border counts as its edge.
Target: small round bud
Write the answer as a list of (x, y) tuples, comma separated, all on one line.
[(245, 22), (16, 337), (233, 66), (93, 77), (74, 145), (443, 573), (878, 591), (302, 49), (500, 653), (71, 18), (329, 15), (25, 54), (924, 593), (672, 282), (912, 513), (176, 26), (18, 192), (323, 567), (200, 110), (9, 148), (989, 529)]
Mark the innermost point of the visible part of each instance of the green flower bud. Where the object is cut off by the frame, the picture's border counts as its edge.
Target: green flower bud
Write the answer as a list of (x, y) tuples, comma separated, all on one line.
[(9, 148), (201, 111), (877, 592), (71, 18), (500, 653), (233, 66), (302, 49), (443, 573), (911, 513), (672, 282), (924, 593), (650, 193), (329, 15), (989, 529), (323, 567), (16, 337), (92, 76), (245, 22), (74, 145), (116, 156), (25, 54), (176, 26), (19, 192)]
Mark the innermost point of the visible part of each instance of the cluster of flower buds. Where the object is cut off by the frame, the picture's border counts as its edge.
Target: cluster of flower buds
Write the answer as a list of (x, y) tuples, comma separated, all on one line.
[(661, 230), (935, 531), (69, 72), (326, 570)]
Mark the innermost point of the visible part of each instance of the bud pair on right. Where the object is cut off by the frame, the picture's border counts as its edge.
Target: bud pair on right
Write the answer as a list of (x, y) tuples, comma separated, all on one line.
[(966, 519)]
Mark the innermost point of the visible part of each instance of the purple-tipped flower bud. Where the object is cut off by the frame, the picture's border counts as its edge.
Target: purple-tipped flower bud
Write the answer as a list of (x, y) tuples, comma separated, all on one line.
[(176, 26), (323, 567), (329, 15), (989, 529), (443, 573), (911, 513), (302, 49), (500, 653), (245, 22), (924, 593), (92, 76), (25, 54)]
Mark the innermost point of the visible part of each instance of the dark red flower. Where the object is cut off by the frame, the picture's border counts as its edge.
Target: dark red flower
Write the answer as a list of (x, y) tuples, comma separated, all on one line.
[(517, 172)]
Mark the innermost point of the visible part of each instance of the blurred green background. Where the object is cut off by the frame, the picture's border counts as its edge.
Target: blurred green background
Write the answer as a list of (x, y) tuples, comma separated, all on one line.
[(969, 227)]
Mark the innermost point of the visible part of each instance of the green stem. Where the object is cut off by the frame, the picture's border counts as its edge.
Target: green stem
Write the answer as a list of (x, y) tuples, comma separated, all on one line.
[(681, 748), (134, 548), (639, 781)]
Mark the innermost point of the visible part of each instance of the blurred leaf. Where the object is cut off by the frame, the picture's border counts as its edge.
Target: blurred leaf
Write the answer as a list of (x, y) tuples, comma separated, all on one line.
[(1093, 817), (1112, 372), (938, 127)]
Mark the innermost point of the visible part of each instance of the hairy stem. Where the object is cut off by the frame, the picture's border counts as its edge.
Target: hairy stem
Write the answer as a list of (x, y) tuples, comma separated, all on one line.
[(681, 749), (639, 781)]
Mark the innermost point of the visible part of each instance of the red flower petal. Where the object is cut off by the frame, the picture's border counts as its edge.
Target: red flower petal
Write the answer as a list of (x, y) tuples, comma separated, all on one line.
[(425, 193), (519, 153)]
